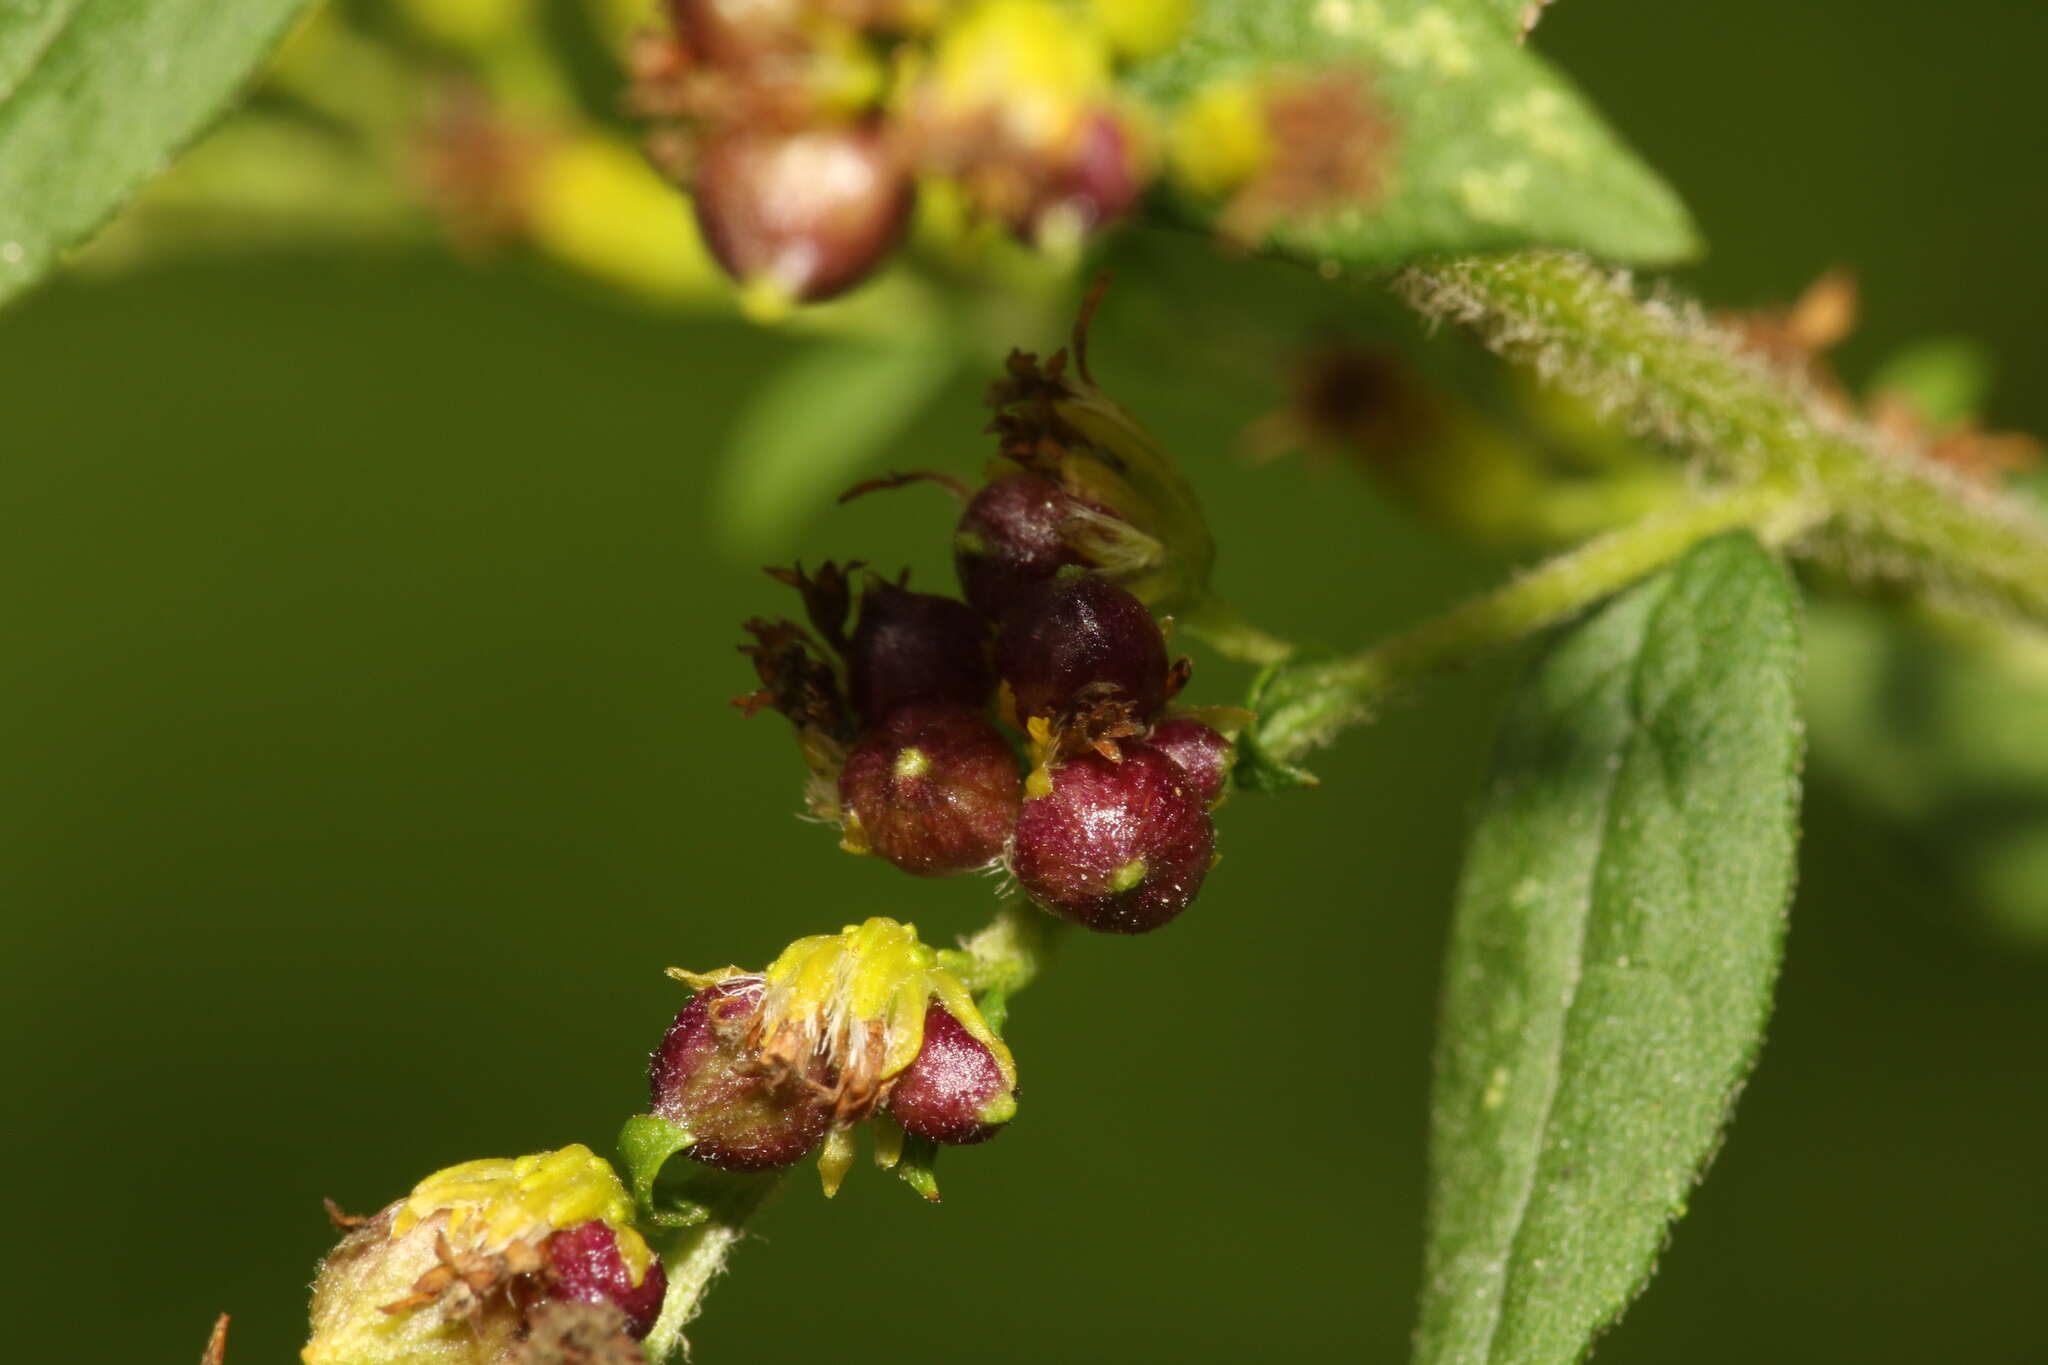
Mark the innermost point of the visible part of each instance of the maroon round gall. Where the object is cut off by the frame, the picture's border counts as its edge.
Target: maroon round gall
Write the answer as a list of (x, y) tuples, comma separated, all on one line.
[(1203, 753), (915, 647), (700, 1081), (583, 1263), (934, 789), (805, 214), (1121, 847), (1081, 635), (955, 1092), (1012, 536)]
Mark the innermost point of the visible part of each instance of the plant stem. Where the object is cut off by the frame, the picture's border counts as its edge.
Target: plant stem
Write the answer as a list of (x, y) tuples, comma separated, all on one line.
[(1005, 956), (1304, 705), (1669, 372), (1224, 629)]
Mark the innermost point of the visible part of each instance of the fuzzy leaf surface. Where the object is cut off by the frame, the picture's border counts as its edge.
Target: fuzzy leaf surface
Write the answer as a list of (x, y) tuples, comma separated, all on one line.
[(1617, 936), (97, 96), (1488, 147)]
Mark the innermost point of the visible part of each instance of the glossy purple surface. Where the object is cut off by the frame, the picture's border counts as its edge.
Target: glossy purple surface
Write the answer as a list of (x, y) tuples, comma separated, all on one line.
[(1121, 847), (1203, 754), (941, 1096), (915, 647), (808, 214), (1009, 540), (1078, 639), (936, 788), (584, 1264)]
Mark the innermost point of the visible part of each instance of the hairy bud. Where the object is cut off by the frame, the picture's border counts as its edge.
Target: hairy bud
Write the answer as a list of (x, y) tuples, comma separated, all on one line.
[(1119, 845), (914, 647), (957, 1091), (1082, 635), (934, 789), (801, 216), (704, 1079)]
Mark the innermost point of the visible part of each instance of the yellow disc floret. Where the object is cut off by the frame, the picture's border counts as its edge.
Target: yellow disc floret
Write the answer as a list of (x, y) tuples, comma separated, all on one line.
[(499, 1202)]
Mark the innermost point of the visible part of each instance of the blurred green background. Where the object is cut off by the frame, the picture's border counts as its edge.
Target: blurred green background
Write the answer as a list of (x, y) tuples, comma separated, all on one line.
[(367, 755)]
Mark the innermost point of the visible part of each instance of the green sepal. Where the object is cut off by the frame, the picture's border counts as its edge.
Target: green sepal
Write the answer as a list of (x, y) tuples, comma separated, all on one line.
[(917, 1167)]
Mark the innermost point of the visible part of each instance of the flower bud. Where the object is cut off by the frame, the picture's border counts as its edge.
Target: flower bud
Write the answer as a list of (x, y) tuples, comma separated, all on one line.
[(914, 647), (1016, 533), (1082, 639), (839, 1018), (1120, 845), (704, 1080), (800, 216), (1203, 753), (958, 1090), (459, 1270), (933, 789)]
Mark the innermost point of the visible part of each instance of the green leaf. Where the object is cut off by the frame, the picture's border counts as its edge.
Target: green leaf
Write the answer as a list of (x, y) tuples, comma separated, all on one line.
[(1490, 147), (645, 1145), (97, 96), (1617, 935), (812, 426)]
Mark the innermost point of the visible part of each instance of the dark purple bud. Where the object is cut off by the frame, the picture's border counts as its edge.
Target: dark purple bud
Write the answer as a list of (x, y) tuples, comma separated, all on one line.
[(584, 1264), (915, 647), (933, 789), (1203, 753), (1013, 536), (802, 215), (1082, 635), (956, 1091), (701, 1082), (1121, 847)]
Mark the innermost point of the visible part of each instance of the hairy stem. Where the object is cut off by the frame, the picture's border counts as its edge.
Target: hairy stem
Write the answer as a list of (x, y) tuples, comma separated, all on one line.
[(1304, 705), (1666, 370)]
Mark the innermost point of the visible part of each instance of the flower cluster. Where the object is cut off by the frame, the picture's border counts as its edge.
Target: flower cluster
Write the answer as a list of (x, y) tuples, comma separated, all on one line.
[(487, 1260), (1098, 801), (807, 129), (760, 1068)]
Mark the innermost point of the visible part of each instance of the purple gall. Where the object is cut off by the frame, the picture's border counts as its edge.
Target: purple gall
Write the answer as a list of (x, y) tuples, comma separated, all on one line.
[(1118, 845), (1203, 753), (958, 1090), (934, 790), (1079, 641), (704, 1080), (915, 647)]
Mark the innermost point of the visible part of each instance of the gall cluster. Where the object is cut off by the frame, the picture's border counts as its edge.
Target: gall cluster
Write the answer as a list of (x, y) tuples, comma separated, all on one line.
[(805, 130), (1029, 726)]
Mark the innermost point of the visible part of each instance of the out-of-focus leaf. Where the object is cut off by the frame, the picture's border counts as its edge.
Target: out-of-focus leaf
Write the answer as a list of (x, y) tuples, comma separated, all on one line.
[(96, 96), (1610, 968), (813, 425), (1486, 146), (1934, 728)]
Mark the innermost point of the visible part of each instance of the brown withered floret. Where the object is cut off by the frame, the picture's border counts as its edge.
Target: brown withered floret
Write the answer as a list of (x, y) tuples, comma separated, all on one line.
[(1332, 144), (217, 1343), (794, 681), (572, 1333), (827, 595)]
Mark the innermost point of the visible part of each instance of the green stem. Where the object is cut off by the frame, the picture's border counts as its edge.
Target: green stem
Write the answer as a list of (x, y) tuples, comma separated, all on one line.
[(1007, 955), (695, 1256), (1224, 629), (1670, 373), (1306, 704)]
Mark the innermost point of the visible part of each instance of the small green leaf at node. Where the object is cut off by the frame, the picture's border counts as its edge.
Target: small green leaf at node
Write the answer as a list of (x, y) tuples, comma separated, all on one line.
[(645, 1145)]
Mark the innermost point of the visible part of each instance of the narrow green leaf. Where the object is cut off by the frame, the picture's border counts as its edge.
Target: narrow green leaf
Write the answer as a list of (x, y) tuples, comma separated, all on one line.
[(96, 96), (1489, 149), (1610, 969), (812, 426)]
